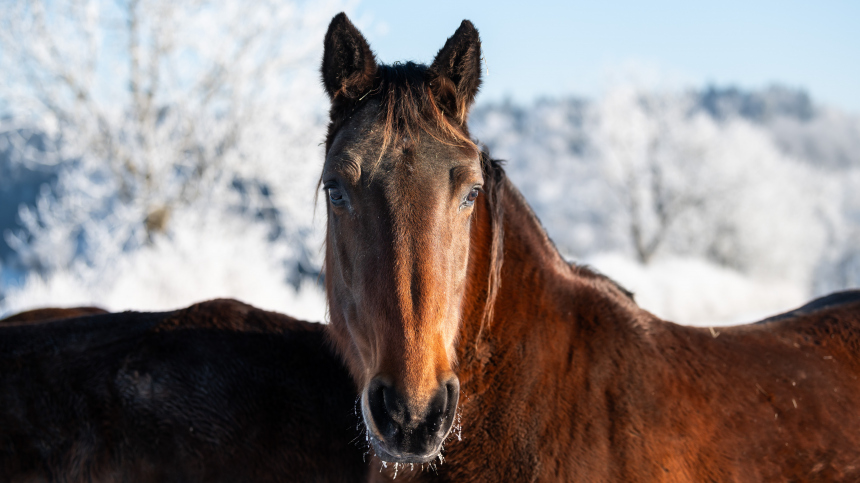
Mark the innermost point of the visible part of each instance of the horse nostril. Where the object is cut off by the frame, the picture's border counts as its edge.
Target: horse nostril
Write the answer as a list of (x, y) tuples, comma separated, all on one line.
[(452, 393), (387, 408), (453, 388), (387, 398), (394, 404)]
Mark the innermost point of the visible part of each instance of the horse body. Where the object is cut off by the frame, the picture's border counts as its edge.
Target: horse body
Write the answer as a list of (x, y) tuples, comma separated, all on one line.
[(574, 382), (219, 391), (559, 375)]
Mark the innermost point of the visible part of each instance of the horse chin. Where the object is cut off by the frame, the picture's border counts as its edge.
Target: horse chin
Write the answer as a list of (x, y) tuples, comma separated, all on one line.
[(392, 457)]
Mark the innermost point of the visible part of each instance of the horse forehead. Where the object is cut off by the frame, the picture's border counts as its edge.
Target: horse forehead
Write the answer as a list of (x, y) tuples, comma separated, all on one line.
[(417, 178), (413, 165)]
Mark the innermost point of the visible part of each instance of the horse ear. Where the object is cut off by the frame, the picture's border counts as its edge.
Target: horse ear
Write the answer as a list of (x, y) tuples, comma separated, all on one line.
[(455, 75), (348, 66)]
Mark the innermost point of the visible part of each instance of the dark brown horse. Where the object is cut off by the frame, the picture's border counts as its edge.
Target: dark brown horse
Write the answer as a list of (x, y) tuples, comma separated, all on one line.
[(219, 391), (451, 306), (41, 315)]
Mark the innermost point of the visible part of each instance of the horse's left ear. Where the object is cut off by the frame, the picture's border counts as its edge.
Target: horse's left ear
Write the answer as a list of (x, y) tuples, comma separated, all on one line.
[(455, 75)]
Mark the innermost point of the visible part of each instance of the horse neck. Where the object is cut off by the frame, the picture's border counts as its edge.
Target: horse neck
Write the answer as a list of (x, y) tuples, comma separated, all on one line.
[(541, 299)]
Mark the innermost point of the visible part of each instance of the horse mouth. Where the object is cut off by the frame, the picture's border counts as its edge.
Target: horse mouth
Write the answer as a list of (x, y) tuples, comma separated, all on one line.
[(388, 456)]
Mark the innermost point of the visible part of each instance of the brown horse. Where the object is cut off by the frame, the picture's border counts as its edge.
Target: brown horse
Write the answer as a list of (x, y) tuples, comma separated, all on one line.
[(451, 306), (219, 391)]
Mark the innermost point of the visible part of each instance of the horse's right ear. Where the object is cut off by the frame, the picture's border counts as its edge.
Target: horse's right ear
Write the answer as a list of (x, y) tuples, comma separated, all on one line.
[(348, 66)]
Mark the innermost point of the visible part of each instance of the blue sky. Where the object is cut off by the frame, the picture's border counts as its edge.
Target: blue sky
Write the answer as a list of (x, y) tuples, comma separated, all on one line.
[(541, 48)]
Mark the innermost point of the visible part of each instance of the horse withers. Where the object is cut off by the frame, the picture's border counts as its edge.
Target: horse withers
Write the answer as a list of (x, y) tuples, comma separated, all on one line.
[(458, 318)]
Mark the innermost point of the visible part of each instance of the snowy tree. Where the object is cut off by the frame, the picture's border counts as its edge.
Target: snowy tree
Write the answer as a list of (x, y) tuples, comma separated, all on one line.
[(688, 184), (839, 264), (153, 107), (655, 153), (654, 174)]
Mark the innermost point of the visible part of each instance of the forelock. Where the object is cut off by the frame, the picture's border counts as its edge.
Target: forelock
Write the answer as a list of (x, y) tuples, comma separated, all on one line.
[(407, 110)]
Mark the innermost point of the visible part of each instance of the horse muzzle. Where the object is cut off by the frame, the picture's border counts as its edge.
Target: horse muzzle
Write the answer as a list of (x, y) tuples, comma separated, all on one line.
[(398, 431)]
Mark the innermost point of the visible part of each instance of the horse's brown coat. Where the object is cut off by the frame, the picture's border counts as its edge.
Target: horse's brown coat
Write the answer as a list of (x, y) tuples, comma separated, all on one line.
[(574, 382), (563, 376)]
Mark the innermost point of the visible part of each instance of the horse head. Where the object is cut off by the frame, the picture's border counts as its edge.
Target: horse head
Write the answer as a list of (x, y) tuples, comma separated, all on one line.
[(401, 178)]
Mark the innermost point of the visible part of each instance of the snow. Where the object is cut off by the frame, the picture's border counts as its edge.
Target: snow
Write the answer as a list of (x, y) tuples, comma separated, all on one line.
[(209, 259)]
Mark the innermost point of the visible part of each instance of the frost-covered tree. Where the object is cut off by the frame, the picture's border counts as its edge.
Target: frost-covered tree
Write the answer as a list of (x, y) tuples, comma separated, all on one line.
[(839, 264), (654, 155), (653, 174), (152, 107)]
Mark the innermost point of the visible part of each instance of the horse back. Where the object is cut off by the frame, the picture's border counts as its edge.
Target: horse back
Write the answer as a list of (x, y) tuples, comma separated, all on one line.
[(775, 400), (219, 391), (51, 313), (846, 301), (828, 326)]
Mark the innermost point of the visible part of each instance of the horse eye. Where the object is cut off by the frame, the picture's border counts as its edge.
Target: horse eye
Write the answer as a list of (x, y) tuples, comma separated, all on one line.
[(472, 196), (335, 195)]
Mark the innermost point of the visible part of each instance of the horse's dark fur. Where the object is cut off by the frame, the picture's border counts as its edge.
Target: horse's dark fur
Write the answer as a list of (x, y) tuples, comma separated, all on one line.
[(833, 300), (41, 315), (219, 391)]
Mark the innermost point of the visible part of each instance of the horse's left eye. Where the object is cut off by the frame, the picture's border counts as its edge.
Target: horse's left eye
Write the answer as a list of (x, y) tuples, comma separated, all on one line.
[(471, 197)]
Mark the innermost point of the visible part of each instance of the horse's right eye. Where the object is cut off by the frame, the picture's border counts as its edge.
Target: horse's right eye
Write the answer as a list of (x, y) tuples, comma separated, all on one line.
[(336, 196), (471, 197)]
